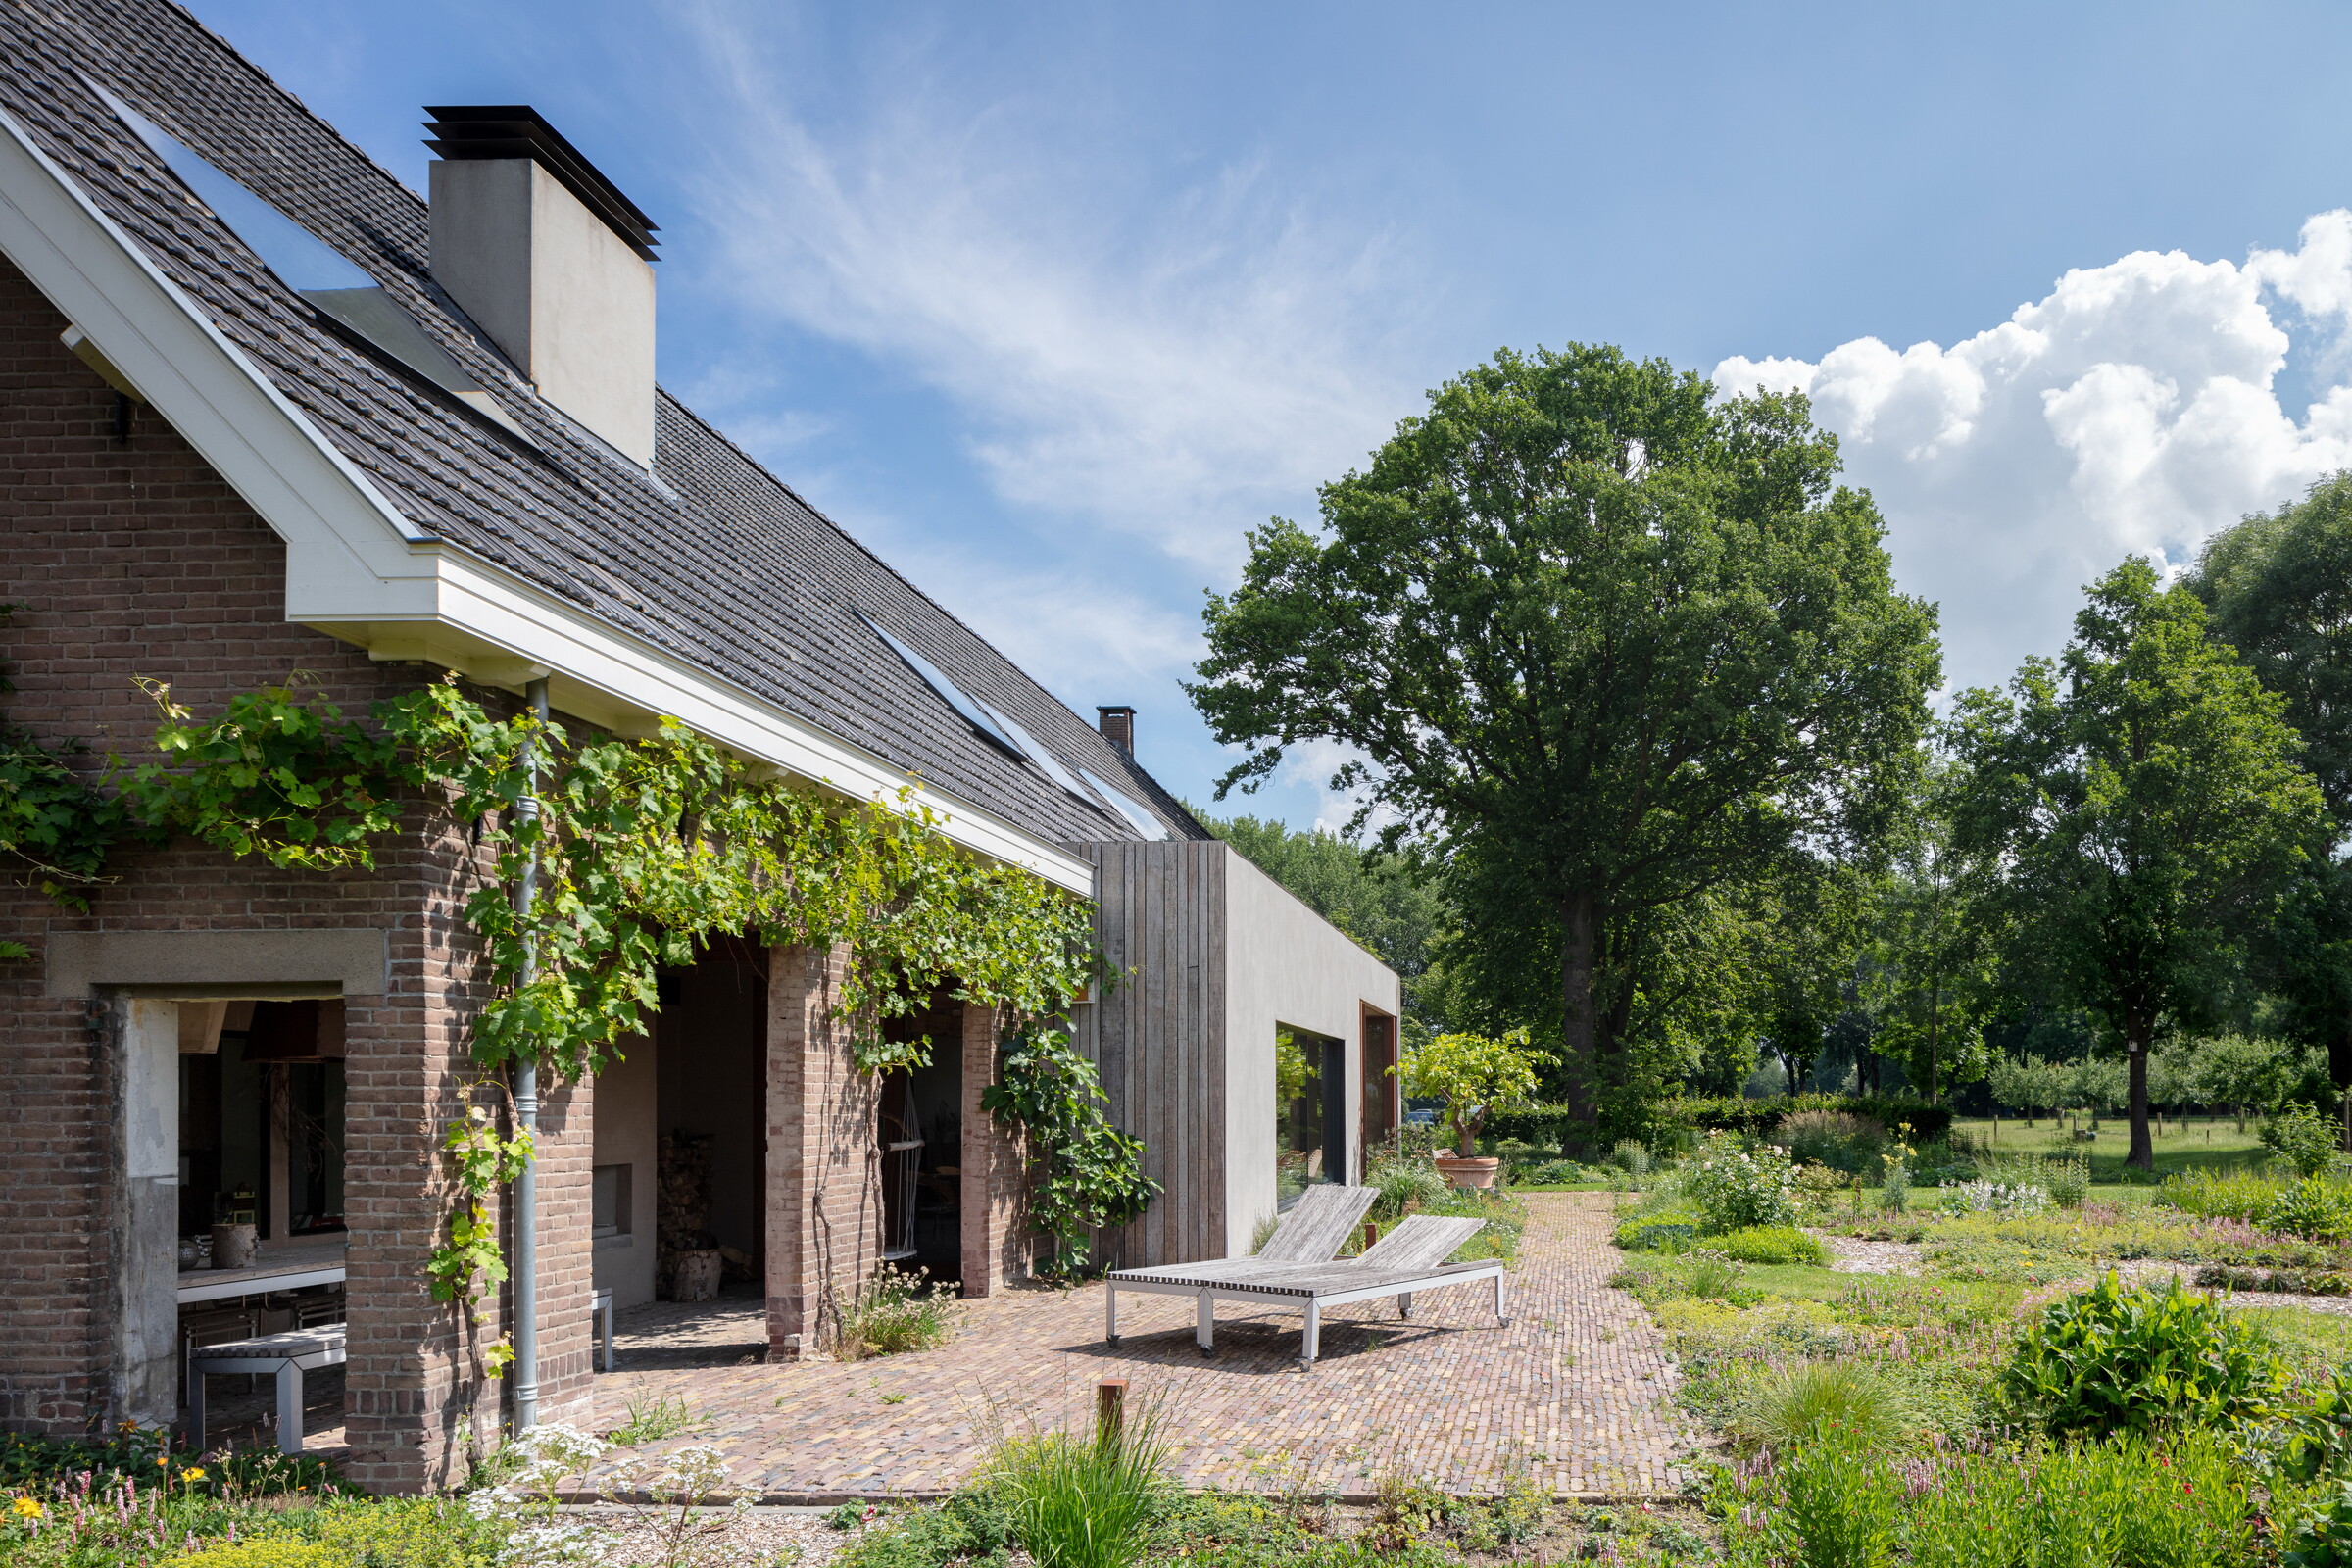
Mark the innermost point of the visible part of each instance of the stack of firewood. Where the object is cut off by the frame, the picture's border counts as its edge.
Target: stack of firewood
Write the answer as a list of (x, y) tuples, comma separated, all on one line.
[(686, 1261)]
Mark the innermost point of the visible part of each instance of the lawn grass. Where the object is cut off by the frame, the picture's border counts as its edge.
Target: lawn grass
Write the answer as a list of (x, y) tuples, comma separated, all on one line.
[(2201, 1143), (2313, 1344)]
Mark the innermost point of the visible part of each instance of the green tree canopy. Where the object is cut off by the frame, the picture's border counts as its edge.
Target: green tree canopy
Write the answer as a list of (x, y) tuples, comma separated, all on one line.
[(1371, 895), (1927, 977), (2280, 589), (1476, 1075), (2134, 811), (1603, 643)]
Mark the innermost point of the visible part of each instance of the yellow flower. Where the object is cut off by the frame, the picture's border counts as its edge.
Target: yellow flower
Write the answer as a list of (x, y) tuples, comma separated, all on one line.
[(26, 1508), (192, 1473)]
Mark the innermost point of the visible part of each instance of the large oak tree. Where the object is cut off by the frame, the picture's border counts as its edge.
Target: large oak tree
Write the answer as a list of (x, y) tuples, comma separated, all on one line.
[(1600, 638)]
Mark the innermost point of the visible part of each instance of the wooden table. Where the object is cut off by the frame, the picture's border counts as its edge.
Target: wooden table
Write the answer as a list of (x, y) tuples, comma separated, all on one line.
[(286, 1265)]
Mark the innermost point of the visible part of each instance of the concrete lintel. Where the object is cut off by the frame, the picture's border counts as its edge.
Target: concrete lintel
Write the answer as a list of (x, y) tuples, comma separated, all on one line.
[(212, 965)]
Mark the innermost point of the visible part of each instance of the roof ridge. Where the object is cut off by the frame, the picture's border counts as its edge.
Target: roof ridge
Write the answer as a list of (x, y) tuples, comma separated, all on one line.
[(295, 99), (713, 558)]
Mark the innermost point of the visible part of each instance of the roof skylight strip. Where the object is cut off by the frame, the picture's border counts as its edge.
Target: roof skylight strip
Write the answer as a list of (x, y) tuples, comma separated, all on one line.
[(1149, 826), (974, 713), (1034, 751), (334, 285)]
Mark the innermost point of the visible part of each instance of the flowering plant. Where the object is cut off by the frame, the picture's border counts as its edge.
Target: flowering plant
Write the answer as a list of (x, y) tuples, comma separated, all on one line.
[(1735, 1188), (672, 1486), (1995, 1198)]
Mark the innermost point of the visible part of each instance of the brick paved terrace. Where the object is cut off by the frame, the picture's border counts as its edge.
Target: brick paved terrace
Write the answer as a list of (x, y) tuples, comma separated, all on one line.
[(1578, 1385)]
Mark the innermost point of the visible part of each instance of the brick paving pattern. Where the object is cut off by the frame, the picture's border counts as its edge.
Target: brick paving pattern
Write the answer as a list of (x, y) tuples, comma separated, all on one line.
[(1578, 1385)]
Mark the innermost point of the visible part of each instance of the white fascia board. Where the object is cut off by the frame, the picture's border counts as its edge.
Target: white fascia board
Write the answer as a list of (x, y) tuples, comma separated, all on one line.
[(596, 665), (356, 566)]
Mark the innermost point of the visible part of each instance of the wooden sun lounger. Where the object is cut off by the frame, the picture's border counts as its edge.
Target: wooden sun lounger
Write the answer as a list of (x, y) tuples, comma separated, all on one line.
[(1317, 1226), (1409, 1259)]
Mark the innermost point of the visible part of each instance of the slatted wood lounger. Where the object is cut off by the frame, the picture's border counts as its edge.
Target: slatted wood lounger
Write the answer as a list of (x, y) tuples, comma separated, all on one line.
[(1409, 1259)]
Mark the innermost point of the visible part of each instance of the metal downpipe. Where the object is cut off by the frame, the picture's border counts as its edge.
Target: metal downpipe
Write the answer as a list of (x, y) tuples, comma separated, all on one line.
[(527, 1117)]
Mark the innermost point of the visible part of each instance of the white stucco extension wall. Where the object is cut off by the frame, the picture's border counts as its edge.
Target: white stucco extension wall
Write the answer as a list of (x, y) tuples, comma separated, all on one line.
[(628, 1133), (1284, 964)]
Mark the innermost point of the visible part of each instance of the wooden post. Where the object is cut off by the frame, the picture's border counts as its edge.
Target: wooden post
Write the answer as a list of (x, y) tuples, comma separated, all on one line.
[(1110, 1412), (1371, 1234)]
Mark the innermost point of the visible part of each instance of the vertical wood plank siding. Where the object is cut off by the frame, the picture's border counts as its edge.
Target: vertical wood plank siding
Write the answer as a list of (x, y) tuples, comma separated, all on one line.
[(1158, 1036)]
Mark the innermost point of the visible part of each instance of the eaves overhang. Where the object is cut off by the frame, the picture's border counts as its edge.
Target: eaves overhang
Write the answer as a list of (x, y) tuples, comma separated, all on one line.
[(359, 570)]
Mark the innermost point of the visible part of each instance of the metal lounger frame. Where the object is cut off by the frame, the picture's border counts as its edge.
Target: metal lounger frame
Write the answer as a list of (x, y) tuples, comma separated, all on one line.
[(1309, 1298), (1409, 1259)]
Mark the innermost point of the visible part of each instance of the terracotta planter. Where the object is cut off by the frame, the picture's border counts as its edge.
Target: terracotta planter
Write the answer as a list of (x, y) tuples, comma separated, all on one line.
[(1469, 1173)]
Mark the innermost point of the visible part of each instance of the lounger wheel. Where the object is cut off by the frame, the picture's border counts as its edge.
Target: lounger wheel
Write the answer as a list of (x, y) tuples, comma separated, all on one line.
[(1113, 1339)]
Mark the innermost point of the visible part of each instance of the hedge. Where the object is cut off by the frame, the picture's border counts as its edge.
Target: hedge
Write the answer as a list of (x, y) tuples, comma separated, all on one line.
[(1758, 1117), (1556, 1124)]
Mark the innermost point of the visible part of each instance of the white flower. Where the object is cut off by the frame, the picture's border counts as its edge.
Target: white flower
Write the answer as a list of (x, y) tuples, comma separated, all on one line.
[(693, 1472), (540, 1545), (567, 1448)]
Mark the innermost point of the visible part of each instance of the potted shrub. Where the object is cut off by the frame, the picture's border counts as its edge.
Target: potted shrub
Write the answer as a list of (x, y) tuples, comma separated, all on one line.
[(1477, 1076)]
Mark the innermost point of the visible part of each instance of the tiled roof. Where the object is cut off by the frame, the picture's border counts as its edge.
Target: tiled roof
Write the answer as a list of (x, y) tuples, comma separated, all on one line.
[(712, 559)]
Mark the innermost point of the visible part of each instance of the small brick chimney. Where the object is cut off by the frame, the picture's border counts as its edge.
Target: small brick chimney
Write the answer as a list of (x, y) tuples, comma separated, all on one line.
[(1118, 725)]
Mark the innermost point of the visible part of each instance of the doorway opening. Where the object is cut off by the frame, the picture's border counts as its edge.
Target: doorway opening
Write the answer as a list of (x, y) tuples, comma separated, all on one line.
[(919, 1131), (1377, 1121), (260, 1233)]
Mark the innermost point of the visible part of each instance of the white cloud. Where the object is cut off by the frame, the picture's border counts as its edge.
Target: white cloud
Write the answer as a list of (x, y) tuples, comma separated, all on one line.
[(1171, 367), (2134, 408)]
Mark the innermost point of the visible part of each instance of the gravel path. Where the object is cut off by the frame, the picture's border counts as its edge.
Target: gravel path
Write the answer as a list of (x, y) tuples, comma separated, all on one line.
[(2154, 1270), (1850, 1254)]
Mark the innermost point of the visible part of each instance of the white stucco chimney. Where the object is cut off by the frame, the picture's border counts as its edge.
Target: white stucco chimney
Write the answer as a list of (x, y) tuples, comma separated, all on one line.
[(553, 261)]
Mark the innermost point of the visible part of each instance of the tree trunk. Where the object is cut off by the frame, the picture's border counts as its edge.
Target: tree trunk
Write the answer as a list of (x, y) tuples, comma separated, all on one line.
[(2143, 1149), (1577, 1021), (1934, 1023), (2339, 1054)]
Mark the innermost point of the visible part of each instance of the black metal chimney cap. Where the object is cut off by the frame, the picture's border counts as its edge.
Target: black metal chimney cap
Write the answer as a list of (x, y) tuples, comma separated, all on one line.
[(518, 130)]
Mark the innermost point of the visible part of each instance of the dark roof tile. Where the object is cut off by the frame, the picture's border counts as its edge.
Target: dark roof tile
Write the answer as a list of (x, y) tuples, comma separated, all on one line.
[(713, 559)]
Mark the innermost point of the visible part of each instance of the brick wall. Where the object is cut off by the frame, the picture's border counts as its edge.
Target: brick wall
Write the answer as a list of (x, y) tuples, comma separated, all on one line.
[(824, 1198), (997, 1244), (135, 560)]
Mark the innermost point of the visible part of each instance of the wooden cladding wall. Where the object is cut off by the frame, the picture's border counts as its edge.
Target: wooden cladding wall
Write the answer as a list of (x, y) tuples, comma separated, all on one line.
[(1158, 1036)]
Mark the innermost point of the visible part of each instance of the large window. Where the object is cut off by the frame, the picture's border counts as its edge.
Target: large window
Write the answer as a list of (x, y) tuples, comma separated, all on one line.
[(1309, 1118)]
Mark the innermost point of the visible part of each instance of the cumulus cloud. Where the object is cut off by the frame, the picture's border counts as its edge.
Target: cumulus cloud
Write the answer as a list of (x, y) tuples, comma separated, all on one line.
[(2132, 410)]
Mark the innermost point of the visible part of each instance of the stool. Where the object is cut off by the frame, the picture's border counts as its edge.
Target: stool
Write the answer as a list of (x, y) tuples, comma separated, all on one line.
[(599, 1325), (286, 1355)]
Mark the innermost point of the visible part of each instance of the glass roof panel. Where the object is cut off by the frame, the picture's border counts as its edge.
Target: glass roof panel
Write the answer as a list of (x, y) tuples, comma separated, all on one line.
[(301, 259), (977, 715), (333, 284), (1149, 826), (1034, 751)]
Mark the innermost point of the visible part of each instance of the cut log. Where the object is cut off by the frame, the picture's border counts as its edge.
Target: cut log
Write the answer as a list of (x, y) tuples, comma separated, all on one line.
[(696, 1276)]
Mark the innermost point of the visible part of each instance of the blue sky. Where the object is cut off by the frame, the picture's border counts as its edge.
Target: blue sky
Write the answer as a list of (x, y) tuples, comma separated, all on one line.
[(1050, 304)]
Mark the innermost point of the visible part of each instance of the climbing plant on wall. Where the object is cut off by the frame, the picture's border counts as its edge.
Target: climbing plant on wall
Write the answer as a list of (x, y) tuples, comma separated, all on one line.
[(642, 847), (55, 828), (1089, 1174)]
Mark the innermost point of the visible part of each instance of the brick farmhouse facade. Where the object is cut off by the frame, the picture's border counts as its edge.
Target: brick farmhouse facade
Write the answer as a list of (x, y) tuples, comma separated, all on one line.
[(208, 479)]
